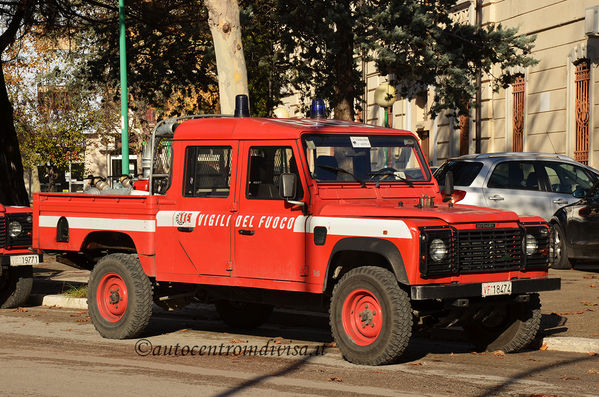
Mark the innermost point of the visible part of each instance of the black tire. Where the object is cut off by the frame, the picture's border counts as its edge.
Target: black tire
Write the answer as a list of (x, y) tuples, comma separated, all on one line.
[(15, 286), (390, 332), (508, 327), (242, 314), (110, 273), (560, 251)]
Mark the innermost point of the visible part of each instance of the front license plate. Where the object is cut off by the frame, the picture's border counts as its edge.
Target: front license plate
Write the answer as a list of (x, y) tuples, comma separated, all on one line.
[(497, 288), (24, 260)]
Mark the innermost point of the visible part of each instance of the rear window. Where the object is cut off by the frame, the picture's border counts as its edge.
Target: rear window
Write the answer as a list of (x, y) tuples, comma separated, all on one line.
[(464, 172)]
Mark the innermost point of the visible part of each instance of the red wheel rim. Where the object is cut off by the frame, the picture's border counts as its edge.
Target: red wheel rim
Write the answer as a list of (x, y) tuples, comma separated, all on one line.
[(112, 297), (362, 317)]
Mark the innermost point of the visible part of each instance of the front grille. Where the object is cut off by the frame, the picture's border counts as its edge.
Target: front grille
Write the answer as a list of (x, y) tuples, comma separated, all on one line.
[(483, 251), (489, 250), (2, 232)]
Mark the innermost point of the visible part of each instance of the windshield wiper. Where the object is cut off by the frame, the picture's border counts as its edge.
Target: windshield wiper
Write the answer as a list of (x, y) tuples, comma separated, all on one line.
[(337, 170), (386, 173)]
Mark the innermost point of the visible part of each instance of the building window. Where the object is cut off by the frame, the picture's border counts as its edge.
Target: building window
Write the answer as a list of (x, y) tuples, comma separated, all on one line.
[(583, 104), (518, 114)]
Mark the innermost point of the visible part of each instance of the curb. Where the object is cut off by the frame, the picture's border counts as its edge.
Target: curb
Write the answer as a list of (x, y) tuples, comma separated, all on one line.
[(572, 344), (58, 301)]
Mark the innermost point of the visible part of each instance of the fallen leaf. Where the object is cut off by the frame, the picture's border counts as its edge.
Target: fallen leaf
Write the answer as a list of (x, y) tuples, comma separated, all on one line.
[(238, 341), (82, 320), (543, 347), (564, 377), (594, 334), (593, 371), (335, 379), (479, 354), (499, 353), (594, 286), (20, 310), (415, 364), (592, 354), (590, 277), (68, 329), (451, 355), (330, 344), (277, 342), (73, 315), (588, 303), (184, 330)]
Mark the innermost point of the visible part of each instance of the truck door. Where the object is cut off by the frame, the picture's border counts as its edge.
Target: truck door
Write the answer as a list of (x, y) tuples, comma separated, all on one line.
[(205, 210), (267, 244)]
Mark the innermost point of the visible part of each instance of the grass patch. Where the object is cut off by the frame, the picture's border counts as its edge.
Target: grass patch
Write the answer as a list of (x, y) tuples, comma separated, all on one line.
[(76, 291)]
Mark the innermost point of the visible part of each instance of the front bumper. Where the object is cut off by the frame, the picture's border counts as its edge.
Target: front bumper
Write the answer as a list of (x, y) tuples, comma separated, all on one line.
[(448, 291)]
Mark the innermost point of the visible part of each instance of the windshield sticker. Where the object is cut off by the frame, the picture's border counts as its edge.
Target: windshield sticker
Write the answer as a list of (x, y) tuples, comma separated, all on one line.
[(311, 145), (360, 141)]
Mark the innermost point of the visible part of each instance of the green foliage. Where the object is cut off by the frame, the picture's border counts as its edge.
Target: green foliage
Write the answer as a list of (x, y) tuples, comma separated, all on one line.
[(415, 42), (52, 109), (266, 64), (420, 44), (169, 53)]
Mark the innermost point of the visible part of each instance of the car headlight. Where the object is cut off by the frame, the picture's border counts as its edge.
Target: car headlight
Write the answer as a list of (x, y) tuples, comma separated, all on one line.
[(531, 244), (14, 229), (437, 250)]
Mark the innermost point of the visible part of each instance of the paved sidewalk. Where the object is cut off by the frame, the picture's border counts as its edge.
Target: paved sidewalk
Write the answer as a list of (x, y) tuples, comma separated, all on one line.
[(570, 319)]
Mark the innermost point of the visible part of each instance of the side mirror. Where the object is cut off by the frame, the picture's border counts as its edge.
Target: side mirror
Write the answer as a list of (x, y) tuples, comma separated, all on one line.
[(579, 193), (449, 183), (288, 186)]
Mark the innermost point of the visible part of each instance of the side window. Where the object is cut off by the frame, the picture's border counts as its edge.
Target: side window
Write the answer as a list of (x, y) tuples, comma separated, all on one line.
[(566, 178), (207, 171), (266, 164), (514, 175)]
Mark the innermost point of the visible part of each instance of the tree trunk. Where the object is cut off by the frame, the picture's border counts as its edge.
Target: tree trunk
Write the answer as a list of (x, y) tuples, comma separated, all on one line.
[(223, 19), (344, 68), (35, 180), (12, 184), (52, 177)]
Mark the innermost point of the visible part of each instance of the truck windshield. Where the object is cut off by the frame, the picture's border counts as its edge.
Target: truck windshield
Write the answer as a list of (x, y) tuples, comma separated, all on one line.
[(365, 158)]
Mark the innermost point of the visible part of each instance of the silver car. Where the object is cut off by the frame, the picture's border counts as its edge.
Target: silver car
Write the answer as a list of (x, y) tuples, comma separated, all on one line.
[(526, 183)]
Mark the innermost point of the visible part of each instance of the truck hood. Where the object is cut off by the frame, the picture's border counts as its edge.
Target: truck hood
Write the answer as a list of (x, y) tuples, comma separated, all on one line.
[(456, 214)]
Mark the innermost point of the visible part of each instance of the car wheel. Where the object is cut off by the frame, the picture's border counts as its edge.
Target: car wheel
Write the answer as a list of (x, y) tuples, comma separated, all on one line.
[(15, 286), (560, 251), (120, 297), (370, 316), (506, 327)]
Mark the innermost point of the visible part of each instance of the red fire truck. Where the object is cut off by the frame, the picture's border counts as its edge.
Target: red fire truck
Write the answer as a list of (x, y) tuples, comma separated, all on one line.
[(249, 213), (16, 259)]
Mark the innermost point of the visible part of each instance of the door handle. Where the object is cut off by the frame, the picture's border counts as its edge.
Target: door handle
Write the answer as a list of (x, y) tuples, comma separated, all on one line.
[(560, 201), (185, 229), (246, 232), (496, 197)]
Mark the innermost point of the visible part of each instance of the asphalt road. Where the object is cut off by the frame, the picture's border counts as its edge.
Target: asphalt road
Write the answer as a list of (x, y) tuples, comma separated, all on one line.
[(56, 352)]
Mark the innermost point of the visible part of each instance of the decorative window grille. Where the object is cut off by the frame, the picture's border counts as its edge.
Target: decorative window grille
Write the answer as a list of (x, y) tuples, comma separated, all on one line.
[(583, 104), (518, 114)]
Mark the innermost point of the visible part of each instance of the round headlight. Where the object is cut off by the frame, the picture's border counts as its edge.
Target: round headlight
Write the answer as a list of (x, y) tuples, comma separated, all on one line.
[(14, 229), (531, 244), (437, 250)]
